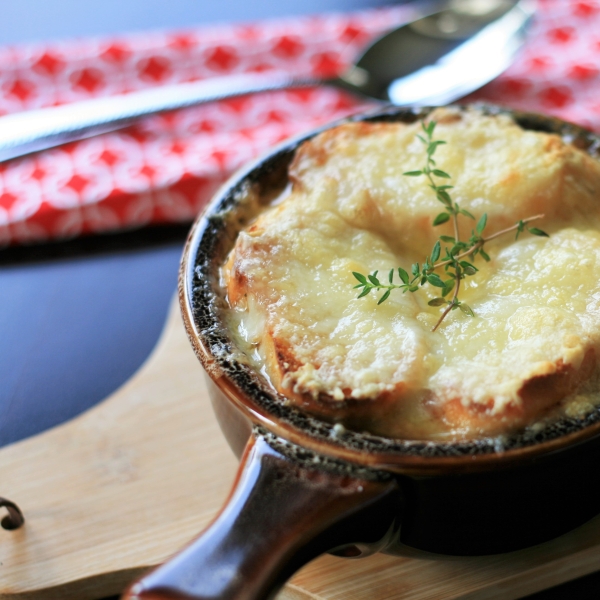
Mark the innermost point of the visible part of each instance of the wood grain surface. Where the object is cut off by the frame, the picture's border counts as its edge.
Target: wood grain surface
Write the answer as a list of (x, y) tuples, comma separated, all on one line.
[(123, 486)]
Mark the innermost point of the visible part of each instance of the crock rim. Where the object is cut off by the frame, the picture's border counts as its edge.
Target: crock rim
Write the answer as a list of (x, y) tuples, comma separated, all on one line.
[(395, 455)]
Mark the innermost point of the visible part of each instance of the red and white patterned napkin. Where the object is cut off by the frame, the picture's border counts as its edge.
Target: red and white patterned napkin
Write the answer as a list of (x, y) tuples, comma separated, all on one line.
[(165, 168)]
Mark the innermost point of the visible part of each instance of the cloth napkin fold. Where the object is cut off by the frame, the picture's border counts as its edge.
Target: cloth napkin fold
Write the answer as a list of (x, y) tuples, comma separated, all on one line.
[(165, 168)]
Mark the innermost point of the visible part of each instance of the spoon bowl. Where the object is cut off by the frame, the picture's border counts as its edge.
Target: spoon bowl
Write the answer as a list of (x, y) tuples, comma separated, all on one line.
[(452, 50), (444, 55)]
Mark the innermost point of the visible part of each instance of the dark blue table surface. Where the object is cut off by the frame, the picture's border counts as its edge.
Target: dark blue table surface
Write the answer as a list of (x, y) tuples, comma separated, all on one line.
[(78, 318), (31, 20)]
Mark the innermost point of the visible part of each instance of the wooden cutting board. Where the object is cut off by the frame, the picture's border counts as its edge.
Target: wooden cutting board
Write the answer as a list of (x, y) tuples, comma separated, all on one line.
[(123, 486)]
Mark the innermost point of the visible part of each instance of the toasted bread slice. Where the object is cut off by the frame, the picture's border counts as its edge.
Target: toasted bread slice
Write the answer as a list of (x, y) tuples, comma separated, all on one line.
[(536, 334)]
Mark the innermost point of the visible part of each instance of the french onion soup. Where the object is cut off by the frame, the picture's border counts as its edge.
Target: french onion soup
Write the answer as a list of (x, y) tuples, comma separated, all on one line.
[(450, 341)]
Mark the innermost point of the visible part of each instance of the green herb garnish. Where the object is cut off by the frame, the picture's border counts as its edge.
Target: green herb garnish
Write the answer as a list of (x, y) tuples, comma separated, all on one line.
[(454, 264)]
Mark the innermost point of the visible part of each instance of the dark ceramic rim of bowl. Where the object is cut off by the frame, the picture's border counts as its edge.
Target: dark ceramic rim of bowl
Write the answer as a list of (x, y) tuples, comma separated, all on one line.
[(208, 244)]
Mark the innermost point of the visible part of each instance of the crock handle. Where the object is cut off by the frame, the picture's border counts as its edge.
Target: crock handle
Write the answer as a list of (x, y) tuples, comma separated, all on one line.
[(279, 515)]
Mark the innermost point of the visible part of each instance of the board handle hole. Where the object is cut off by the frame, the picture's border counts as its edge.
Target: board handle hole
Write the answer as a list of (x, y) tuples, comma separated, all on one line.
[(15, 518)]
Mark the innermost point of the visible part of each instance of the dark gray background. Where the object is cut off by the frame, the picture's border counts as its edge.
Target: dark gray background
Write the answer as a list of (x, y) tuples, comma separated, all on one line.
[(78, 318)]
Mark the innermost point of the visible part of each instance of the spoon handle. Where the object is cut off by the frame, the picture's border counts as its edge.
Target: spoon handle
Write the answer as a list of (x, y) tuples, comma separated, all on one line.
[(34, 130)]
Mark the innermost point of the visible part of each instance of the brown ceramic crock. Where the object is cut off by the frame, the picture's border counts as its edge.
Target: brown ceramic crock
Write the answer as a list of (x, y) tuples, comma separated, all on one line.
[(305, 487)]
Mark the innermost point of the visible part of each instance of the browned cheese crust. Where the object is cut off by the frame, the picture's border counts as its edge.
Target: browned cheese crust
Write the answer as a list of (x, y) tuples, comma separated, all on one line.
[(534, 340)]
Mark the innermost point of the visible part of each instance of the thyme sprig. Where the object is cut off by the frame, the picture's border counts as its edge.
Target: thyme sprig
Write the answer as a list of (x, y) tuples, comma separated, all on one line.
[(454, 264)]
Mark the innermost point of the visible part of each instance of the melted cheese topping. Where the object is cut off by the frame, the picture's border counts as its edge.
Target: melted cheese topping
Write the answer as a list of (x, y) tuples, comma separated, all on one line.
[(536, 333)]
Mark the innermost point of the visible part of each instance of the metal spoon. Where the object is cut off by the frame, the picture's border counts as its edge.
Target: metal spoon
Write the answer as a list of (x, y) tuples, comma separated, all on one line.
[(432, 60)]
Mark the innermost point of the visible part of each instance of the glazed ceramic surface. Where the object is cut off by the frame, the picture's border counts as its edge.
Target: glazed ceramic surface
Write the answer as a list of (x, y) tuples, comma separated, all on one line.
[(354, 493)]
